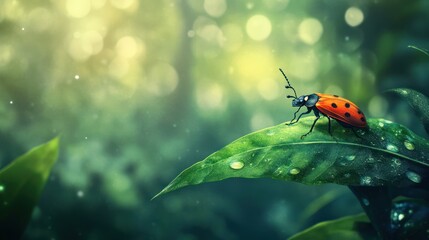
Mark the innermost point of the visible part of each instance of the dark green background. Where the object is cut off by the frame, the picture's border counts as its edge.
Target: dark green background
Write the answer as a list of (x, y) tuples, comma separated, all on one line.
[(139, 90)]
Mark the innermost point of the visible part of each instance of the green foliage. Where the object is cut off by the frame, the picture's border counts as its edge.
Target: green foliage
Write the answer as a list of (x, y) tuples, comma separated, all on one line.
[(418, 102), (357, 227), (21, 184), (424, 51), (381, 156)]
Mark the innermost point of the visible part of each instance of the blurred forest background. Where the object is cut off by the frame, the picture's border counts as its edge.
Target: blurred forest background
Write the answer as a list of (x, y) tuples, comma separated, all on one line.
[(140, 90)]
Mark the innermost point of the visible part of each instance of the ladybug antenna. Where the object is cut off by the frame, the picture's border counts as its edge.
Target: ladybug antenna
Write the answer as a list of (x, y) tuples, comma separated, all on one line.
[(288, 85)]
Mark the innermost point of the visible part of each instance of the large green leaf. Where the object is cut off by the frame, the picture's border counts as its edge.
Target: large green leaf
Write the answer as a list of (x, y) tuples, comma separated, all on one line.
[(355, 227), (21, 184), (385, 154), (418, 102)]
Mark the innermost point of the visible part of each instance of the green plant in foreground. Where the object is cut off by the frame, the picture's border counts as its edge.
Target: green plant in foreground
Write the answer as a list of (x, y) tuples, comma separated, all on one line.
[(21, 184), (387, 169)]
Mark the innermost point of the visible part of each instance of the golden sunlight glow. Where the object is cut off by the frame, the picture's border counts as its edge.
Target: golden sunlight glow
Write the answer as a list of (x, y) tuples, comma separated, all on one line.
[(215, 8), (269, 89), (119, 67), (354, 16), (40, 19), (310, 30), (84, 45), (233, 37), (6, 52), (124, 4), (97, 4), (78, 8), (252, 64), (258, 27), (127, 47)]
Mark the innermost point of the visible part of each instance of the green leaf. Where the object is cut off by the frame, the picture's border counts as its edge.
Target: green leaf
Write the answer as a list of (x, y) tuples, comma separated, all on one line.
[(385, 154), (424, 51), (357, 227), (21, 184), (418, 102)]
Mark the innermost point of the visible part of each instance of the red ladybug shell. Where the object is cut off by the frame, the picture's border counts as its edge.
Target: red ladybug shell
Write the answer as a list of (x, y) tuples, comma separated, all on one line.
[(341, 109)]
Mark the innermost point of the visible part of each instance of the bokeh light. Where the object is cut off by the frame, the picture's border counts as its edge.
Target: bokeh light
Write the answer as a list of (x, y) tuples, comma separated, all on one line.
[(84, 45), (215, 8), (310, 30), (258, 27), (354, 16), (211, 98), (162, 79), (78, 8)]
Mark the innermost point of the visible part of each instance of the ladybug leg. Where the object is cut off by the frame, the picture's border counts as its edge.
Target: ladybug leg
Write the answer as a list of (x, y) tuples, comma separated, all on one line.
[(316, 113), (294, 116), (308, 111)]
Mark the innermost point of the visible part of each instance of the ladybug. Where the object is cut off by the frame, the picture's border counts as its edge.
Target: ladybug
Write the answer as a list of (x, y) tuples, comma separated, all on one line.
[(343, 110)]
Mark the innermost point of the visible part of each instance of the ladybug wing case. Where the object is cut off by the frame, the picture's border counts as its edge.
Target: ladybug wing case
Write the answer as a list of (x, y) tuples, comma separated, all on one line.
[(341, 109)]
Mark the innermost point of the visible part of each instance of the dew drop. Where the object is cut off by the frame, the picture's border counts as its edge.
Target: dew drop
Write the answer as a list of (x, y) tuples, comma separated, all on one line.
[(236, 165), (351, 157), (414, 176), (366, 180), (392, 148), (270, 133), (401, 216), (76, 77), (396, 162), (10, 102), (380, 124), (365, 201), (294, 171), (1, 188), (409, 145)]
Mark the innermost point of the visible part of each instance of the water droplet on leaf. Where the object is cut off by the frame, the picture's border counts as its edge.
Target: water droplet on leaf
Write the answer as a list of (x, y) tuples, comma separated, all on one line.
[(351, 157), (365, 201), (414, 176), (409, 145), (236, 165), (365, 180), (294, 171), (392, 148)]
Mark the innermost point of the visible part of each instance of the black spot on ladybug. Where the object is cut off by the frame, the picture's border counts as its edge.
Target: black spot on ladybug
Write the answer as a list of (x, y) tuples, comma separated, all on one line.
[(347, 105), (359, 112), (334, 105), (347, 114), (335, 95), (362, 119)]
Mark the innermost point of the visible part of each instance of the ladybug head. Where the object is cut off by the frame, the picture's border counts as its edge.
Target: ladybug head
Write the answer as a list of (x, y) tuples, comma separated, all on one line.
[(300, 101)]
